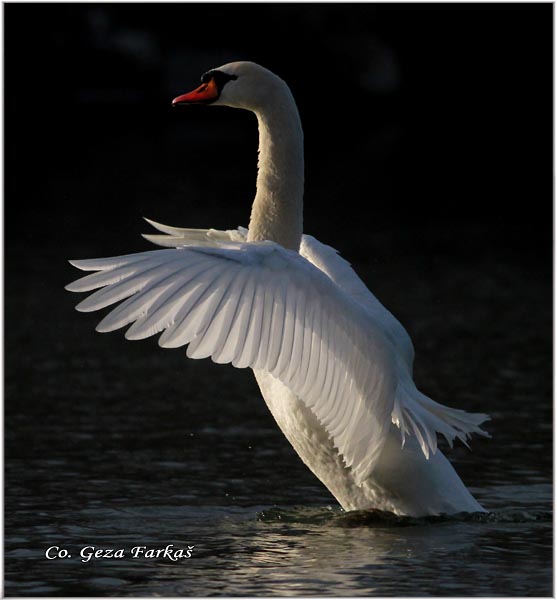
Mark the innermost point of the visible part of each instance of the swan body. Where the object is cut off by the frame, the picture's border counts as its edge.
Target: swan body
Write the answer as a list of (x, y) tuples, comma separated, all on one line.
[(333, 365)]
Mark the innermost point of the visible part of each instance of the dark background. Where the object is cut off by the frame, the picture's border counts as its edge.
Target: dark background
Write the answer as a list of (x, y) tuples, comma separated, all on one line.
[(428, 138), (434, 115)]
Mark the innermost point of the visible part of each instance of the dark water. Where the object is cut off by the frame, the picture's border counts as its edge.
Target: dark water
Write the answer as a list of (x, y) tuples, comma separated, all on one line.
[(115, 444)]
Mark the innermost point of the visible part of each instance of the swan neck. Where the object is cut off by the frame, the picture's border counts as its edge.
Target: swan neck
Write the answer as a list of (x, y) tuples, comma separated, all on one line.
[(278, 206)]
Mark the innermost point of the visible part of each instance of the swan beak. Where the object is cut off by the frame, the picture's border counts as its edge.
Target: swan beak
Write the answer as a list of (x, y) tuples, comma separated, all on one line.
[(205, 93)]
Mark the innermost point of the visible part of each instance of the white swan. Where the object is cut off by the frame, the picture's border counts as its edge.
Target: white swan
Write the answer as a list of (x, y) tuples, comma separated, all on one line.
[(334, 366)]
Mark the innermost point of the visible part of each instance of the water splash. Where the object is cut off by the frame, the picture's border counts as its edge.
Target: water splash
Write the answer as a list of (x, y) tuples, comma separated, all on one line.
[(378, 518)]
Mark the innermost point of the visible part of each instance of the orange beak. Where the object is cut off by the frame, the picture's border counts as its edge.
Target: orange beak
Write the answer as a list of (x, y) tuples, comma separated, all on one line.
[(206, 92)]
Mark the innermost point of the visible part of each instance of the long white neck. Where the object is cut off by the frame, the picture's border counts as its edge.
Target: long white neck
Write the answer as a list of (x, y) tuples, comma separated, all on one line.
[(278, 206)]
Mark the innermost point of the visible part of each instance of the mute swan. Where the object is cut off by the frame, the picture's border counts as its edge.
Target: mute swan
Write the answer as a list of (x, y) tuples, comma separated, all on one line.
[(333, 365)]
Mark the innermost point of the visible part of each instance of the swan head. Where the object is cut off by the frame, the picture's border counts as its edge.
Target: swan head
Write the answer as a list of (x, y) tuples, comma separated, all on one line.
[(240, 84)]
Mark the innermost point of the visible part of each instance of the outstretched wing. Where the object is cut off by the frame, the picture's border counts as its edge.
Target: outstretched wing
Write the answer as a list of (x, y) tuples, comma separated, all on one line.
[(259, 305), (324, 257)]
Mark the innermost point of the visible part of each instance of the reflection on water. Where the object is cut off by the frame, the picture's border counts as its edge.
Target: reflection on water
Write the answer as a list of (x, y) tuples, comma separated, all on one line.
[(115, 445)]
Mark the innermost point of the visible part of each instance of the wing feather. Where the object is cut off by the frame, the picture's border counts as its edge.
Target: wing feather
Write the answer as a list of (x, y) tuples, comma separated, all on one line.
[(266, 322), (277, 324), (248, 354), (242, 323), (301, 375), (315, 352), (319, 382), (289, 334), (228, 318), (215, 321), (133, 308), (103, 278), (96, 264), (185, 325), (164, 312), (298, 340)]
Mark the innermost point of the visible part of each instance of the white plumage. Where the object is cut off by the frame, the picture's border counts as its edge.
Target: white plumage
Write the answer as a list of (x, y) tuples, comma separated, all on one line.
[(334, 366)]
